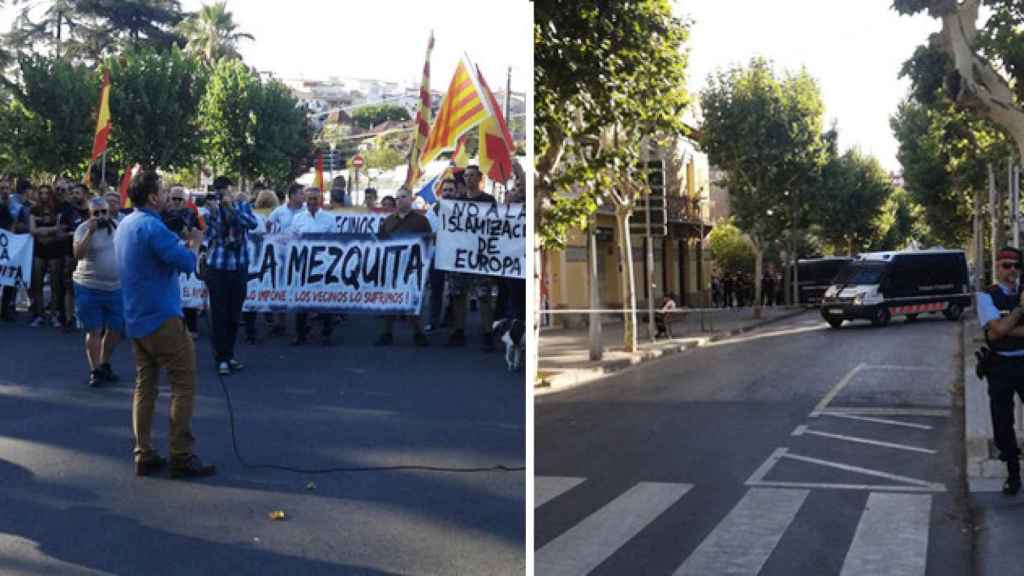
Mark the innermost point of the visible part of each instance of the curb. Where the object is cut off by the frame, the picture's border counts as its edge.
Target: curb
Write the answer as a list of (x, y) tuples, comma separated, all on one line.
[(568, 379)]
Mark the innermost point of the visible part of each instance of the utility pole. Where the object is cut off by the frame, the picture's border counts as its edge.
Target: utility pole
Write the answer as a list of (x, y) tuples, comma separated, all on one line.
[(979, 245), (649, 244), (993, 220)]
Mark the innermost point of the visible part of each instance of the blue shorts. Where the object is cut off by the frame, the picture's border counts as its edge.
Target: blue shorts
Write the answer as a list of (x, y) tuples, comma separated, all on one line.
[(98, 309)]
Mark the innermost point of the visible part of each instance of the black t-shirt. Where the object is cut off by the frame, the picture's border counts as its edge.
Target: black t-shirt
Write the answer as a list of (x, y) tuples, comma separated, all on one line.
[(69, 218), (6, 220)]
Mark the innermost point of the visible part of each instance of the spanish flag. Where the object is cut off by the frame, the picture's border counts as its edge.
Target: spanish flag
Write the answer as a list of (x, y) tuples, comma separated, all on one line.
[(103, 123), (126, 181), (318, 180), (463, 108), (496, 145), (422, 122)]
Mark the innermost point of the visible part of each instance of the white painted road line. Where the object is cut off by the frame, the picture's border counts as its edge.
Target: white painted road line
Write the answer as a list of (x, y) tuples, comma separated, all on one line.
[(865, 471), (844, 486), (743, 540), (586, 545), (908, 368), (802, 430), (836, 390), (546, 488), (937, 412), (891, 537), (876, 420)]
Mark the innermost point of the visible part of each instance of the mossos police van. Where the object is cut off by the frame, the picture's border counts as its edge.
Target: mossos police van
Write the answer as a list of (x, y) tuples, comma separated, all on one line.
[(814, 276), (880, 285)]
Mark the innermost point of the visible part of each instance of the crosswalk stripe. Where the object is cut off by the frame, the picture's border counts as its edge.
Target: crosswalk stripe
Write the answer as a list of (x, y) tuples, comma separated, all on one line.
[(586, 545), (546, 488), (743, 540), (891, 537)]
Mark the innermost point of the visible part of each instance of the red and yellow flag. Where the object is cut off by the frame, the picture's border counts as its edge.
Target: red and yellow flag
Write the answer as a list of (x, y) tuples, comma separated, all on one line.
[(460, 157), (103, 123), (126, 181), (422, 122), (463, 108), (496, 145), (318, 180)]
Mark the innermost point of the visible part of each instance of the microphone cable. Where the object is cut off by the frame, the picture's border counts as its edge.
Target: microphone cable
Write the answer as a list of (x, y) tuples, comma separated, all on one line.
[(335, 469)]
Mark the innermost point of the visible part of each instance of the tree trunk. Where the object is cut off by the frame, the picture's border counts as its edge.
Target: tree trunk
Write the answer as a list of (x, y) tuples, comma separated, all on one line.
[(626, 276), (758, 272)]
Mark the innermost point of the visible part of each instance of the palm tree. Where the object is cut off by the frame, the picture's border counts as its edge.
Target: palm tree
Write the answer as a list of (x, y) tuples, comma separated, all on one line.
[(212, 33)]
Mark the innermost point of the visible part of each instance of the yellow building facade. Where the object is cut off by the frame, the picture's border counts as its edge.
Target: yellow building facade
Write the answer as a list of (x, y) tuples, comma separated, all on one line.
[(681, 261)]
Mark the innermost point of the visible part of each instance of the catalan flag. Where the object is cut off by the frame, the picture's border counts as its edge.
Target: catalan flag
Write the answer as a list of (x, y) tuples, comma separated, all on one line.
[(103, 123), (318, 180), (461, 157), (463, 108), (422, 122), (496, 144)]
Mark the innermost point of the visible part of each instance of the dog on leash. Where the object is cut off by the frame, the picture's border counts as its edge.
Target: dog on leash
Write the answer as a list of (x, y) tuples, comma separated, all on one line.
[(512, 333)]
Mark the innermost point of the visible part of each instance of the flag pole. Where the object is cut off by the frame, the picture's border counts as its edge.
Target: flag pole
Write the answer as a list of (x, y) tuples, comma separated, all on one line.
[(103, 172)]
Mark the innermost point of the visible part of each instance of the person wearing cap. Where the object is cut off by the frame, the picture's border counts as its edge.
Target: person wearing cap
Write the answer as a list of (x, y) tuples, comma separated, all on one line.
[(404, 221), (1000, 311), (227, 274)]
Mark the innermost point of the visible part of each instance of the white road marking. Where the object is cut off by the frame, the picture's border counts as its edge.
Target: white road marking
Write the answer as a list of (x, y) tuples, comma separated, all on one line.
[(860, 470), (836, 390), (743, 540), (891, 537), (909, 368), (586, 545), (801, 430), (546, 488), (938, 412), (765, 467), (841, 486), (876, 420)]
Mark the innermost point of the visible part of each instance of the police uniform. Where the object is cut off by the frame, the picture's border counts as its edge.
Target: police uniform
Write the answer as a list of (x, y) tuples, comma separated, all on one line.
[(1005, 375)]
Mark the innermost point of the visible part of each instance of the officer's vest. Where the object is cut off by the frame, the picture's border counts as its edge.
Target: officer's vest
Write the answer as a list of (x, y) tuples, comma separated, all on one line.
[(1004, 303)]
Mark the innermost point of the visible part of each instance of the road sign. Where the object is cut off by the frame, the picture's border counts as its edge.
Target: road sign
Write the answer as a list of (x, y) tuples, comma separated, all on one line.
[(357, 162)]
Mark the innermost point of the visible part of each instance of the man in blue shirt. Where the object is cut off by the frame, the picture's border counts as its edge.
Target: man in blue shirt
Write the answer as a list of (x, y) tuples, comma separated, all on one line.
[(1000, 314), (227, 268), (149, 259)]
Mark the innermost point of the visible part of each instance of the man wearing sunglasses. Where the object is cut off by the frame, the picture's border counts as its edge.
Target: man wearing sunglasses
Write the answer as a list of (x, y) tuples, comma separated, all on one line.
[(97, 286), (1000, 311)]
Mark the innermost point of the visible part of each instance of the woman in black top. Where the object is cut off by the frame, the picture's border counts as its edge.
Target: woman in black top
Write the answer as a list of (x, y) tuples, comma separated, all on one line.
[(47, 257)]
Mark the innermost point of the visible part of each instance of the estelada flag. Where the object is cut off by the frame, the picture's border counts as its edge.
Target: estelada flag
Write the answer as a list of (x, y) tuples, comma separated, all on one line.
[(461, 110), (103, 123), (496, 145), (318, 180)]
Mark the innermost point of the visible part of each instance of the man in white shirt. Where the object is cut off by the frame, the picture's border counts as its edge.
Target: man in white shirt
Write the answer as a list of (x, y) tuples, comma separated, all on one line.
[(280, 220), (313, 220)]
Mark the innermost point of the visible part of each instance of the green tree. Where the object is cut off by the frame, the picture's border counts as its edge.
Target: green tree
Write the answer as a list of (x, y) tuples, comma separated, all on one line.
[(283, 138), (731, 252), (367, 117), (89, 30), (227, 114), (765, 132), (854, 188), (212, 34), (609, 79), (154, 106), (54, 114)]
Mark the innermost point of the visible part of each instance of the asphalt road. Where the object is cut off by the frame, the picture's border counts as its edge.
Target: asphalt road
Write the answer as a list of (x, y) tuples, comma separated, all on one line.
[(70, 504), (794, 449)]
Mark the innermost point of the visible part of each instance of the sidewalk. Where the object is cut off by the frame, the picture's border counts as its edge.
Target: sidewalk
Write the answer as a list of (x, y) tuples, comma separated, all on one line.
[(998, 520), (564, 357)]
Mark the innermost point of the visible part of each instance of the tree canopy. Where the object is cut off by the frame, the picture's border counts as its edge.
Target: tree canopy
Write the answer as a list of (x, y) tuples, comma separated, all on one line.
[(607, 75)]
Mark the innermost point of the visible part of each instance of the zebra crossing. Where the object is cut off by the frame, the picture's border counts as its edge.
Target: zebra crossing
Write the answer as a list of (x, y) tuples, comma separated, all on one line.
[(891, 536)]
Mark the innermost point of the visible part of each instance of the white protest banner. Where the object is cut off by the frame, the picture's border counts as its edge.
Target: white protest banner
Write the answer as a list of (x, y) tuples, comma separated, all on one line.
[(482, 238), (340, 273), (358, 222), (15, 258)]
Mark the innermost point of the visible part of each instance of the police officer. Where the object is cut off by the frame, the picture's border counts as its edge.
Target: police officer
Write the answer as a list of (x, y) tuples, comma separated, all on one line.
[(1000, 311)]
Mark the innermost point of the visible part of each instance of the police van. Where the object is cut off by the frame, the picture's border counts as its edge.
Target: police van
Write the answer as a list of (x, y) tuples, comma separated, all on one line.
[(877, 286), (815, 275)]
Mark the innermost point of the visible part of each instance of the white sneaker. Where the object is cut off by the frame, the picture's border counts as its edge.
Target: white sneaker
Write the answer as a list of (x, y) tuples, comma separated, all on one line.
[(224, 369)]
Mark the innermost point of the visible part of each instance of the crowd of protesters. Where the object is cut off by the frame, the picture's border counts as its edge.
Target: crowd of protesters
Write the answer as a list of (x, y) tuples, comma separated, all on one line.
[(74, 254)]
